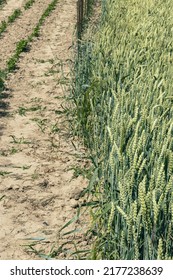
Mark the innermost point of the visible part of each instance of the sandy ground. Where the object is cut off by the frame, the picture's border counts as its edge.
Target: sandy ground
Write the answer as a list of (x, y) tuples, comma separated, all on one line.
[(38, 190)]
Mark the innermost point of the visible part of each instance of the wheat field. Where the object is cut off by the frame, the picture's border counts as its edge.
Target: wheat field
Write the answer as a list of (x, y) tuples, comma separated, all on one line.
[(123, 109)]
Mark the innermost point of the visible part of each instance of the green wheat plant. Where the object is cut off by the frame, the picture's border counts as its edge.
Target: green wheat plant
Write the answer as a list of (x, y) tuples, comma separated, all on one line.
[(122, 100)]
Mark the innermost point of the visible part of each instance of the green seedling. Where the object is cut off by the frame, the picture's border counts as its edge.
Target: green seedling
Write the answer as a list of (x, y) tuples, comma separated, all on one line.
[(54, 128), (36, 108), (20, 140), (81, 171), (3, 26), (41, 123), (53, 141), (22, 110), (13, 151), (51, 72), (1, 198), (41, 60), (11, 63), (35, 176), (35, 33), (15, 15), (36, 99), (63, 81), (3, 173), (62, 112), (51, 60), (29, 4), (24, 167), (22, 46)]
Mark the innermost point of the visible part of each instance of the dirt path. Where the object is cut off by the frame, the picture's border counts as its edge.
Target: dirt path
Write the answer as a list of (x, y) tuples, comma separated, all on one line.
[(38, 193)]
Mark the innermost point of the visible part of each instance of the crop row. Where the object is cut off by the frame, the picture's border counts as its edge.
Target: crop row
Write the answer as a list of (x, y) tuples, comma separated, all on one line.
[(23, 45), (16, 13)]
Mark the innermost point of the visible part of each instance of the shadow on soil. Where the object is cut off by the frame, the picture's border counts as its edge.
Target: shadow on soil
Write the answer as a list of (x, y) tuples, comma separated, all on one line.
[(4, 105), (4, 96)]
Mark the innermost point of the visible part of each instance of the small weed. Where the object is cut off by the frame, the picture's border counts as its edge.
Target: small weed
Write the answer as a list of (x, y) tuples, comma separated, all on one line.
[(3, 173), (41, 60), (79, 171), (63, 81), (59, 97), (51, 72), (51, 60), (59, 112), (13, 151), (36, 99), (1, 198), (52, 141), (24, 167), (22, 110), (35, 108), (54, 128), (20, 140), (41, 123), (35, 176)]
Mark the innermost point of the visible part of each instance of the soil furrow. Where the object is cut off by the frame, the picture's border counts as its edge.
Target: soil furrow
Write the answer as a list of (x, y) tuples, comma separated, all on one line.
[(20, 29), (38, 188)]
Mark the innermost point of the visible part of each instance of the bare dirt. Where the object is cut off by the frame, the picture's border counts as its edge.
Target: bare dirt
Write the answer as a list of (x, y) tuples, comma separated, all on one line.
[(38, 190)]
